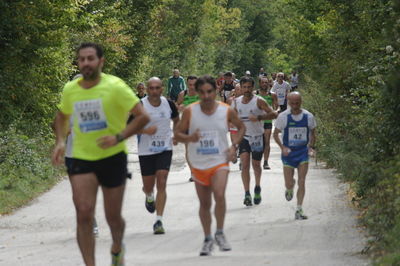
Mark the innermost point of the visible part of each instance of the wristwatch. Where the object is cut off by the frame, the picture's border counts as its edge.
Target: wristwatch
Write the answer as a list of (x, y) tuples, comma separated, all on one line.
[(119, 138)]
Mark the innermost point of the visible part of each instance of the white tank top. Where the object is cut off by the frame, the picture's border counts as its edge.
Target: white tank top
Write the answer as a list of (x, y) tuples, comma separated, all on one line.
[(211, 149), (253, 129), (160, 117)]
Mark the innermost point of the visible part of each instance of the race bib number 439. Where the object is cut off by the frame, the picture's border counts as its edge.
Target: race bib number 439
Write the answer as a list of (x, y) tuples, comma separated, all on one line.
[(90, 115), (208, 143), (298, 136)]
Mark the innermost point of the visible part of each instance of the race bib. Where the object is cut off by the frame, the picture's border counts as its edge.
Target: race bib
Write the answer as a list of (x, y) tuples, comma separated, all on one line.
[(281, 98), (297, 136), (208, 143), (90, 115), (256, 143), (159, 142)]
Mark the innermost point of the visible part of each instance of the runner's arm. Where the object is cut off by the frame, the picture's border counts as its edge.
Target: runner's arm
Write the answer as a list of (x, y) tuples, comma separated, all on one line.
[(274, 101), (270, 113), (180, 132), (179, 101), (61, 125), (134, 127), (312, 141), (234, 119)]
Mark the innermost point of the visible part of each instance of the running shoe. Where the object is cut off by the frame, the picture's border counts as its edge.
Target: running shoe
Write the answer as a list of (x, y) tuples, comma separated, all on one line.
[(257, 195), (222, 243), (150, 204), (207, 248), (299, 215), (118, 259), (247, 200), (289, 194), (158, 228), (266, 166), (95, 228)]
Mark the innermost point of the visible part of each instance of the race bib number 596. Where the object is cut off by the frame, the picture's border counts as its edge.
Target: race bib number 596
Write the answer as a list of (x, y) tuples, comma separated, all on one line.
[(90, 115)]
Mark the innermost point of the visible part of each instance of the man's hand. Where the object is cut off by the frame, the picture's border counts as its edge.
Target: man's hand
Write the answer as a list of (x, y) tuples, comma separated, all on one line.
[(57, 158), (107, 142), (232, 155), (150, 130), (195, 137), (285, 151), (253, 118), (311, 152)]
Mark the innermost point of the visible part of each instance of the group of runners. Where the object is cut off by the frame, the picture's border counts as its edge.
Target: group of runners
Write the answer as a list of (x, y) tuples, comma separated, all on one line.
[(93, 115)]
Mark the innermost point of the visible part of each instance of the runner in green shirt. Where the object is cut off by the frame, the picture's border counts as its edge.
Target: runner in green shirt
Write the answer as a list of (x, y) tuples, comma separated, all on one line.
[(186, 98), (265, 93)]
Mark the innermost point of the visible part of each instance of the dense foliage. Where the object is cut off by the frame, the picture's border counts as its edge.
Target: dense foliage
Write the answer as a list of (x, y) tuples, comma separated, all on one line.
[(346, 51)]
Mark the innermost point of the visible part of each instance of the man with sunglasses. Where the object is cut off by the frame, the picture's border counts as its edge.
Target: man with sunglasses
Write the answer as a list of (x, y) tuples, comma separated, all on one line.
[(281, 88), (155, 149), (204, 126), (252, 111)]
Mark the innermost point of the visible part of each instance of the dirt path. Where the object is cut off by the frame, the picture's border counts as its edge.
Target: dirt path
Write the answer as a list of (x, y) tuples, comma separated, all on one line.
[(43, 233)]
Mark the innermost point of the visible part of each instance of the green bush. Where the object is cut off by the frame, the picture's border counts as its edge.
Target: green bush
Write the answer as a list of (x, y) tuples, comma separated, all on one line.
[(25, 168)]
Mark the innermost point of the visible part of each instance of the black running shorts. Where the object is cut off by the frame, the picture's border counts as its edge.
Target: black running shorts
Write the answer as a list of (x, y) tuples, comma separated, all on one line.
[(111, 171), (244, 146), (149, 164), (267, 125)]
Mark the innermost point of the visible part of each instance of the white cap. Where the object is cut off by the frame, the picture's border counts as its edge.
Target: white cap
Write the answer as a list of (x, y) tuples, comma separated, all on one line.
[(247, 72)]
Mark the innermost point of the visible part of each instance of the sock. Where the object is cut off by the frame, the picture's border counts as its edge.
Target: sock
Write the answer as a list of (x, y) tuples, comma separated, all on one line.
[(247, 193), (257, 189), (299, 208), (219, 231), (150, 196), (159, 218), (208, 238)]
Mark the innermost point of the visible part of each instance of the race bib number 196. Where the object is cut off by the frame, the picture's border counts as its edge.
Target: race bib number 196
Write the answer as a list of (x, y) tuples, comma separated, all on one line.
[(297, 136), (90, 115), (208, 143)]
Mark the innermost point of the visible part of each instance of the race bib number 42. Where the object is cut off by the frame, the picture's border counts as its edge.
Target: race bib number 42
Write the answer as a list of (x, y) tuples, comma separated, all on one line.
[(298, 136), (90, 115), (208, 143)]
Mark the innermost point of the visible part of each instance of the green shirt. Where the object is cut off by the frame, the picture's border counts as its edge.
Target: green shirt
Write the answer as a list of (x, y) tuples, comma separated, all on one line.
[(99, 111), (189, 99), (268, 99), (175, 86)]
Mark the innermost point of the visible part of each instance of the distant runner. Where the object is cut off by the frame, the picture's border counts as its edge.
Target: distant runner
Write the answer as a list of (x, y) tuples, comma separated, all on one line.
[(281, 89), (265, 93), (155, 149), (252, 111), (297, 126)]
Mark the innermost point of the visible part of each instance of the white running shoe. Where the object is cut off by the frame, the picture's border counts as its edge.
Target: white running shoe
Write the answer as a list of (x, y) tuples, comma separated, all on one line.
[(222, 243), (207, 248)]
